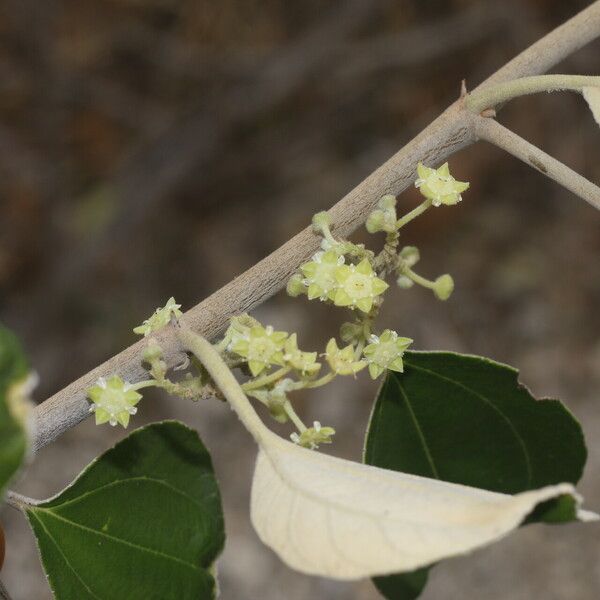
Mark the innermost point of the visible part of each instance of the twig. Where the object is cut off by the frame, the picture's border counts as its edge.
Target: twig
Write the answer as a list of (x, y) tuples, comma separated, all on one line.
[(495, 133), (451, 131), (499, 94)]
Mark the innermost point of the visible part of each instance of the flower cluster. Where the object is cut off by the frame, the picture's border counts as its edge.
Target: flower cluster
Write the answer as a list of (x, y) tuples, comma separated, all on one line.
[(342, 274)]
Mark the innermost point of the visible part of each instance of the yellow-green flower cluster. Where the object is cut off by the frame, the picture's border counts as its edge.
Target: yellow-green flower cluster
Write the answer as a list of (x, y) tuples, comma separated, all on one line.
[(328, 278), (439, 186)]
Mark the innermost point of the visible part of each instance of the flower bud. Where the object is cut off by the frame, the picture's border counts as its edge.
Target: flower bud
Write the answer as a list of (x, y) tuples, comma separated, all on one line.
[(350, 332), (444, 286), (404, 283), (295, 286), (375, 221), (387, 202), (410, 255), (321, 221)]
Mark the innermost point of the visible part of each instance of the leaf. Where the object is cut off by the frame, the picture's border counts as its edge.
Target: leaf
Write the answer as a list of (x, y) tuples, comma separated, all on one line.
[(335, 518), (13, 435), (592, 97), (467, 420), (143, 520)]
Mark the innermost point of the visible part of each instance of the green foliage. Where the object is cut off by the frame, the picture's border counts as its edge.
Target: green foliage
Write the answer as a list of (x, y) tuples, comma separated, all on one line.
[(142, 521), (466, 419), (13, 439)]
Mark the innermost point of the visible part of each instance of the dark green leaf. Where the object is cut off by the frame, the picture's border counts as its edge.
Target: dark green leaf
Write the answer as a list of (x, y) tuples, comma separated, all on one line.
[(467, 420), (13, 439), (403, 586), (143, 521)]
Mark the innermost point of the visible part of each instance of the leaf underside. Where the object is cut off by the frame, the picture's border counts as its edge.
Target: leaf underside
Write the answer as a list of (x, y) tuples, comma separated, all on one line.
[(467, 420), (142, 521), (336, 518), (13, 439)]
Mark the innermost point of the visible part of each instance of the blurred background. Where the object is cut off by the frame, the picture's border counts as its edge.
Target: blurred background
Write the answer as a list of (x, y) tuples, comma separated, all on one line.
[(151, 148)]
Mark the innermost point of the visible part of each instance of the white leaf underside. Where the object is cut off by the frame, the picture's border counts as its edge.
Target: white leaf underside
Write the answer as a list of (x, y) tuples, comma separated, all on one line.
[(335, 518), (592, 97)]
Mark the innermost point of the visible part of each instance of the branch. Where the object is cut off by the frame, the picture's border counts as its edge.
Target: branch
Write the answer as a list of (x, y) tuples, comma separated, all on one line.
[(452, 130), (491, 131)]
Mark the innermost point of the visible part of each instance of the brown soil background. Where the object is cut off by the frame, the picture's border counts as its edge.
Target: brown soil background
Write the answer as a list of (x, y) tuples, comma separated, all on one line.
[(151, 148)]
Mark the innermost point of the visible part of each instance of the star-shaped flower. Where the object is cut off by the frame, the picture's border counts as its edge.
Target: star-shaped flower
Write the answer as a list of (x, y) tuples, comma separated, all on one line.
[(113, 400), (261, 347), (358, 286), (385, 352), (319, 274), (160, 318), (439, 186), (342, 361), (304, 362), (313, 436)]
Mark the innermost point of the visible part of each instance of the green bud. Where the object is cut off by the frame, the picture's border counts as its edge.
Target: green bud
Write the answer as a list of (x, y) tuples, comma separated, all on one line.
[(387, 202), (404, 282), (444, 286), (152, 351), (375, 221), (350, 332), (410, 255), (321, 221), (295, 286)]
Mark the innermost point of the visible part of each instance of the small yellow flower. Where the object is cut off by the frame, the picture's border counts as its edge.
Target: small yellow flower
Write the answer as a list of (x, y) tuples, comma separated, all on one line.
[(439, 186), (313, 436), (261, 347), (160, 318), (358, 286), (304, 362), (342, 361), (113, 400), (385, 352), (319, 274)]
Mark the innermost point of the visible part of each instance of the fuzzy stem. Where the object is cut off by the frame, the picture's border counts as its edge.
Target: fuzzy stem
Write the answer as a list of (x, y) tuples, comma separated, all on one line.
[(321, 381), (204, 351), (294, 418), (413, 214), (489, 97), (266, 379), (426, 283)]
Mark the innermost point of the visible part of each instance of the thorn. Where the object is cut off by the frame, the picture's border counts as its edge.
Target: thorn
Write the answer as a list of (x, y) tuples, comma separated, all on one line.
[(463, 88), (488, 113)]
